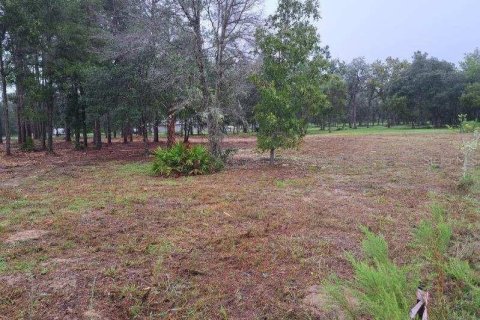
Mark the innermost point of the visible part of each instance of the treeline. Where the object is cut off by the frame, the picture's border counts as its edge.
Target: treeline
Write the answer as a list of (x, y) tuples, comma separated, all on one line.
[(425, 91), (123, 66), (115, 67)]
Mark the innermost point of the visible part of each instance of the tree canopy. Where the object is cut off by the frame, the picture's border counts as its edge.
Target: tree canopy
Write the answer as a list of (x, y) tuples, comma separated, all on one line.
[(124, 67)]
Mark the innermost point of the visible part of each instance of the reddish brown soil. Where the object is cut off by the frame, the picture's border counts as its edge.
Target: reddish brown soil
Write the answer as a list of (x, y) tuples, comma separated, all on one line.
[(246, 243)]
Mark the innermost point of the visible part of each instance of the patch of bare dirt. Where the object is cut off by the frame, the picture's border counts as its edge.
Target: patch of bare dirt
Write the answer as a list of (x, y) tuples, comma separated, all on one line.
[(26, 235)]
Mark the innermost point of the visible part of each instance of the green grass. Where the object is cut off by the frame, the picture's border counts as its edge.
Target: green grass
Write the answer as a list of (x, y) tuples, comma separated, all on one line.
[(14, 205), (476, 178), (136, 168), (79, 204), (378, 130), (3, 264)]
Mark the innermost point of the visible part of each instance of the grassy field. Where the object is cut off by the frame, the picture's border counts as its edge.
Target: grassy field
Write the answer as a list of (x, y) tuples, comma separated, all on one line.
[(375, 130), (92, 235)]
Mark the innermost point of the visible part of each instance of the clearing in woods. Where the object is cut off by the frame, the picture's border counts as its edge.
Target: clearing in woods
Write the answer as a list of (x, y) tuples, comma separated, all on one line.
[(93, 235)]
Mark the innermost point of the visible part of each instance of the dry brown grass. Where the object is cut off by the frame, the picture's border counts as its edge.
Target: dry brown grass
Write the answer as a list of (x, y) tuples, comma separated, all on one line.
[(246, 243)]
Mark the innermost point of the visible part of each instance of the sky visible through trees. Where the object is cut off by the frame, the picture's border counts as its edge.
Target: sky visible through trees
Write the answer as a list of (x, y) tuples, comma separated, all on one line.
[(377, 29), (121, 67)]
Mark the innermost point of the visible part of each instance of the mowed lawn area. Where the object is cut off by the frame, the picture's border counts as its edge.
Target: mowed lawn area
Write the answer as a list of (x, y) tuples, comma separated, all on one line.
[(92, 235)]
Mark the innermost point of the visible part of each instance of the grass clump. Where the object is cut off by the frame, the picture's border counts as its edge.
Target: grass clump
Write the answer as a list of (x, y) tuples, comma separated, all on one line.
[(28, 145), (466, 183), (136, 168), (184, 160), (380, 288), (385, 290), (453, 283)]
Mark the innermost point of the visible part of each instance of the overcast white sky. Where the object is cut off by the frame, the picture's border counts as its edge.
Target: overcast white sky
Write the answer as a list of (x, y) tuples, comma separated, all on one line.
[(446, 29)]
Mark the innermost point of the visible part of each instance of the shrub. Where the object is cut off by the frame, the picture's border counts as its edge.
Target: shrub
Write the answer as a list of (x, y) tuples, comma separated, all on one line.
[(469, 126), (184, 160), (387, 291), (469, 148), (383, 289), (453, 282), (28, 145)]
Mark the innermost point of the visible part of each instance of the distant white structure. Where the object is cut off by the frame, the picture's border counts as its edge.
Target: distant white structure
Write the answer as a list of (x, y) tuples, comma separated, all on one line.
[(162, 128), (59, 131)]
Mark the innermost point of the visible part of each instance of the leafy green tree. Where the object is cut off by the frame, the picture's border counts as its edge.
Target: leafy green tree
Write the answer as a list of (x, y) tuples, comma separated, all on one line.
[(336, 91), (471, 66), (290, 82), (395, 105), (355, 77), (471, 96), (432, 88), (471, 100)]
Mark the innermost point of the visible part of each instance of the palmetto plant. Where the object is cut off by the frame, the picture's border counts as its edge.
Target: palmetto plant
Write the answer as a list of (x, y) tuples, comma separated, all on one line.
[(184, 160)]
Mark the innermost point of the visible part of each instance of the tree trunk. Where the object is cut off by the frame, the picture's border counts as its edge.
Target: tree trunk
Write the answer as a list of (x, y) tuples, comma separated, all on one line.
[(77, 137), (84, 128), (129, 131), (354, 112), (109, 129), (98, 134), (155, 129), (186, 131), (68, 134), (18, 60), (49, 126), (145, 134), (6, 120), (125, 133), (272, 156), (144, 130), (171, 129), (44, 136), (212, 114)]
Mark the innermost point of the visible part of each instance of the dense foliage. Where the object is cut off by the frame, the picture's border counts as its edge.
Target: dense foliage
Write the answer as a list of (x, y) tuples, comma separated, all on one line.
[(181, 159), (124, 67)]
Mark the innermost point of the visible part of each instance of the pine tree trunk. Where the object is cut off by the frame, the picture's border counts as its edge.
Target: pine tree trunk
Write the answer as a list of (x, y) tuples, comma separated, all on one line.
[(125, 134), (68, 134), (171, 129), (6, 120), (84, 128), (20, 92), (49, 126), (77, 138), (98, 134), (145, 134), (109, 129), (272, 157), (44, 136), (155, 130), (354, 112)]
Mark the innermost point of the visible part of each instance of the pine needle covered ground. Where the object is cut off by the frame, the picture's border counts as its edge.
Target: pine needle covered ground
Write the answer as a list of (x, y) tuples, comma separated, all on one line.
[(93, 235)]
